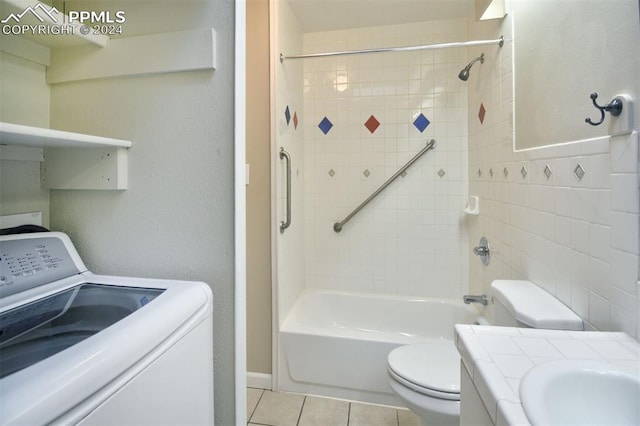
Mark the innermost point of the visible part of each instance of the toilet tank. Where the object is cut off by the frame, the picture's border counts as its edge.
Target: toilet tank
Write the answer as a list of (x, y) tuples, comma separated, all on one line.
[(520, 303)]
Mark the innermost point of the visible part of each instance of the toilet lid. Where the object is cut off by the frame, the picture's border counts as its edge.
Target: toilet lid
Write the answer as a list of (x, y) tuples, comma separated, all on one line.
[(433, 365)]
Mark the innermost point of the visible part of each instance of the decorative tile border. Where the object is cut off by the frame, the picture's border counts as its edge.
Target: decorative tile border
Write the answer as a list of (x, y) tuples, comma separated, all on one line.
[(325, 125), (421, 122), (481, 113), (579, 172), (372, 124)]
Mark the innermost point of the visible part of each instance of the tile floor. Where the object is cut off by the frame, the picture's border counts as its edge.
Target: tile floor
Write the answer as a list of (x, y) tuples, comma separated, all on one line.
[(290, 409)]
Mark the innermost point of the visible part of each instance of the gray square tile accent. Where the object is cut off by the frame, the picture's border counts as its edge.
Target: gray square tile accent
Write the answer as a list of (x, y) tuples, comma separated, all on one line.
[(331, 172), (491, 173), (523, 172), (441, 173), (366, 173), (547, 171), (479, 173), (579, 172), (505, 172), (324, 411), (278, 409)]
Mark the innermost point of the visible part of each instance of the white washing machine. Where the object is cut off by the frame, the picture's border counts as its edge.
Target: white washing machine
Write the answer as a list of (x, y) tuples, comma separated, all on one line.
[(80, 348)]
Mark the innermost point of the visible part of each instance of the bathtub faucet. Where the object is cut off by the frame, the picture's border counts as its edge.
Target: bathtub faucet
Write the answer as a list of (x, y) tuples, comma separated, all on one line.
[(482, 299)]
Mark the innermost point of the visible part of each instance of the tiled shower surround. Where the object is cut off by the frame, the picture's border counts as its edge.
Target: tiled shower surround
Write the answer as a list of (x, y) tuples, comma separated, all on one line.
[(565, 217), (577, 237), (364, 117)]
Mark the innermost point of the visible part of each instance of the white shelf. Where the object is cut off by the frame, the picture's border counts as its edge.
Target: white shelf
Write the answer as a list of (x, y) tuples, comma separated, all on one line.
[(65, 161), (18, 9), (37, 137)]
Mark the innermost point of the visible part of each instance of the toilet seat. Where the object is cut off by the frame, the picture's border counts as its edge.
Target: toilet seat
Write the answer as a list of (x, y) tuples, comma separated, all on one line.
[(431, 369)]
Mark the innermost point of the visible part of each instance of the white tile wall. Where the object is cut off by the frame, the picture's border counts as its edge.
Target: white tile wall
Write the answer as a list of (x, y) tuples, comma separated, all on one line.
[(410, 239), (578, 239)]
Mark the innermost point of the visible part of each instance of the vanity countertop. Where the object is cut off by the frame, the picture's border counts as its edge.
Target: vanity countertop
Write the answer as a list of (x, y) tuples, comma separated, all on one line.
[(498, 357)]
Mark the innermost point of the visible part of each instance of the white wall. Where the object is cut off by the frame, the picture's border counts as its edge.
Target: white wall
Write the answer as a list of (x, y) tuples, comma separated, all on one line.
[(411, 238), (576, 239), (176, 218), (25, 100), (258, 196)]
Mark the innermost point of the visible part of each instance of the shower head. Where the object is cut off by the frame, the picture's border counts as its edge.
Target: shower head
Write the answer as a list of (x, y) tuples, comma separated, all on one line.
[(464, 74)]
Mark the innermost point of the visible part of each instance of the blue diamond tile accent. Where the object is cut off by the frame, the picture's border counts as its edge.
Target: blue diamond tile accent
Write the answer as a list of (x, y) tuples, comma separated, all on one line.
[(287, 114), (325, 125), (421, 122)]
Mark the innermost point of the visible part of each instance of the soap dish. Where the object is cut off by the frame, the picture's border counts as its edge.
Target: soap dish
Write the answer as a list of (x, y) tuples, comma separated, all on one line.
[(473, 205)]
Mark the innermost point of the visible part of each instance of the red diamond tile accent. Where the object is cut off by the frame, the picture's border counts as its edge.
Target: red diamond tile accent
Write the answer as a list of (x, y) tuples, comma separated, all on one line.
[(481, 113), (295, 120), (372, 124)]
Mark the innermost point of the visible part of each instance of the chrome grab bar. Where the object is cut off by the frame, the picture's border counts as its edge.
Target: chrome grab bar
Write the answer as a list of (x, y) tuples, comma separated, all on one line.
[(337, 227), (285, 224)]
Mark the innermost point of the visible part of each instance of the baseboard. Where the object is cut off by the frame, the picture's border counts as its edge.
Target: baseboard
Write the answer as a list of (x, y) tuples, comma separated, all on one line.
[(258, 380)]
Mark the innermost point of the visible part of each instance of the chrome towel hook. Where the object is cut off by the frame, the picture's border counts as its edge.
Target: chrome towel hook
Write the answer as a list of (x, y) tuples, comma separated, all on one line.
[(614, 107)]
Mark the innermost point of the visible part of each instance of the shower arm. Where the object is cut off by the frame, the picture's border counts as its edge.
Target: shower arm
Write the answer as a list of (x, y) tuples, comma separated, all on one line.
[(479, 58), (337, 227)]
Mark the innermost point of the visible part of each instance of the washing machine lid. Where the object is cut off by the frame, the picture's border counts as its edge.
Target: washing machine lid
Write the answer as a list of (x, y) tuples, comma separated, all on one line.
[(37, 330), (45, 390), (434, 365)]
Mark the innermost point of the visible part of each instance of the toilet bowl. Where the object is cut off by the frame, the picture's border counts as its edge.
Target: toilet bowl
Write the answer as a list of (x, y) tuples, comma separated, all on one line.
[(426, 376)]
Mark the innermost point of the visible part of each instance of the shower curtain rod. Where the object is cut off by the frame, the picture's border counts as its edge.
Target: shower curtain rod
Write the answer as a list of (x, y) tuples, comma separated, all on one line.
[(499, 41)]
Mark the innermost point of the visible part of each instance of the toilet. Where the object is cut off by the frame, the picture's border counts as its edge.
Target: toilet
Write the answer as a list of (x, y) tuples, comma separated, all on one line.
[(426, 376)]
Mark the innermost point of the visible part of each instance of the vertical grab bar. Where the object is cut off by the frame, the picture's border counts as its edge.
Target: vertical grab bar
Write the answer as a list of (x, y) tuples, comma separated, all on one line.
[(285, 224)]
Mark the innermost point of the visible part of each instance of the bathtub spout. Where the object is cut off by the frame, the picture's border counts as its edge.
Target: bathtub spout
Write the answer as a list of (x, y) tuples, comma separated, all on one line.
[(482, 299)]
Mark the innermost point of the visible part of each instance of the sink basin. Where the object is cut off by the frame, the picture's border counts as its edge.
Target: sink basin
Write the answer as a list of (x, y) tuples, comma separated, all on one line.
[(574, 392)]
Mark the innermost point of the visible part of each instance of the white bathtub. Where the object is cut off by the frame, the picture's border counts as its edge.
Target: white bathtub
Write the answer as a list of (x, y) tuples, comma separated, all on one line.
[(336, 343)]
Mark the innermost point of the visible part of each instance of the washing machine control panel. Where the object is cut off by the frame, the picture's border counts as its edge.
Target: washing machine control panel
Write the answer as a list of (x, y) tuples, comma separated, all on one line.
[(28, 263)]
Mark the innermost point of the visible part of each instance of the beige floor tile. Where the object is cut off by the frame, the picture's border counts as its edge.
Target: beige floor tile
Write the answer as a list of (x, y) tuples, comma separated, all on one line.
[(324, 412), (372, 415), (278, 409), (407, 418), (253, 396)]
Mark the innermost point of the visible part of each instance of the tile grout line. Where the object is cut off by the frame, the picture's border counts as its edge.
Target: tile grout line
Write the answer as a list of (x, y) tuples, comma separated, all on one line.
[(349, 415), (301, 408), (256, 407)]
